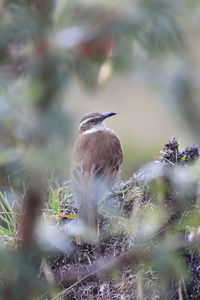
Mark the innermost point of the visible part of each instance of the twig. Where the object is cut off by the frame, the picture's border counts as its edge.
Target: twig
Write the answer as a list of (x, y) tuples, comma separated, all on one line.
[(77, 282), (134, 256)]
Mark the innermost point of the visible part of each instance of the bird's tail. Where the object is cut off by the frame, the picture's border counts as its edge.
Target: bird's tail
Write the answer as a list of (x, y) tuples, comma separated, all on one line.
[(88, 193), (89, 227)]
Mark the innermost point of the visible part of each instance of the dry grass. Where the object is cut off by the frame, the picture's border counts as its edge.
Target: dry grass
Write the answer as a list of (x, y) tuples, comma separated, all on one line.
[(107, 270)]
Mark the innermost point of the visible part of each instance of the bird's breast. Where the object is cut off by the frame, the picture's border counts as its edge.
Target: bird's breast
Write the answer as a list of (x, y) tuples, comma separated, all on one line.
[(101, 147)]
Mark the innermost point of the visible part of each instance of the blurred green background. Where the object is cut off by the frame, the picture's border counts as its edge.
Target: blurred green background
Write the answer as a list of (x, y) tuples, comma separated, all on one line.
[(61, 59)]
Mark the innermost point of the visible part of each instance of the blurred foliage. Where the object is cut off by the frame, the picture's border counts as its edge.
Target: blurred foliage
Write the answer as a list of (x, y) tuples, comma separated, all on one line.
[(43, 46)]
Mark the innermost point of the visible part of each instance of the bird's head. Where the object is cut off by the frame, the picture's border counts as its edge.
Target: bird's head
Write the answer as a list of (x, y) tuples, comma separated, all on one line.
[(94, 121)]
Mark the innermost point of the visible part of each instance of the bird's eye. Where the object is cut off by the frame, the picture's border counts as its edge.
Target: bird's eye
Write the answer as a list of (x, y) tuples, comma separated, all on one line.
[(91, 122)]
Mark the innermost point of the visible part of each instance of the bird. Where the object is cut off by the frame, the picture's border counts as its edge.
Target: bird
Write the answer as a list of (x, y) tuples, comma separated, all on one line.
[(98, 155)]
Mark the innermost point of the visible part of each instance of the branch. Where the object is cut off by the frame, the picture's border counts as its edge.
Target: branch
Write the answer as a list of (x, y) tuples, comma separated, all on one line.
[(141, 253)]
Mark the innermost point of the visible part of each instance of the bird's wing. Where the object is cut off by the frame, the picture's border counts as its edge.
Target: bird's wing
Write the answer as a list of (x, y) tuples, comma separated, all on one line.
[(98, 157), (97, 160)]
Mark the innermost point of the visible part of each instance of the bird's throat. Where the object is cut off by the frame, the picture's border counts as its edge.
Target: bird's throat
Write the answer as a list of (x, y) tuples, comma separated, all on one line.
[(98, 127)]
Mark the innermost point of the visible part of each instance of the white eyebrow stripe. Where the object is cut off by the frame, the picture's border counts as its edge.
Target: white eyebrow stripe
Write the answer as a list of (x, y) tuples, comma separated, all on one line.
[(83, 122)]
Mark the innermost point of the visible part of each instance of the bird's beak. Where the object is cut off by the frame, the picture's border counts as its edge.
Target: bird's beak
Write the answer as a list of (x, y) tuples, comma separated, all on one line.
[(108, 114)]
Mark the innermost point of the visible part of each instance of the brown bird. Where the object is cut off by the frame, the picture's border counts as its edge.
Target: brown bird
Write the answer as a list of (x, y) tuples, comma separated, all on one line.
[(98, 156)]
